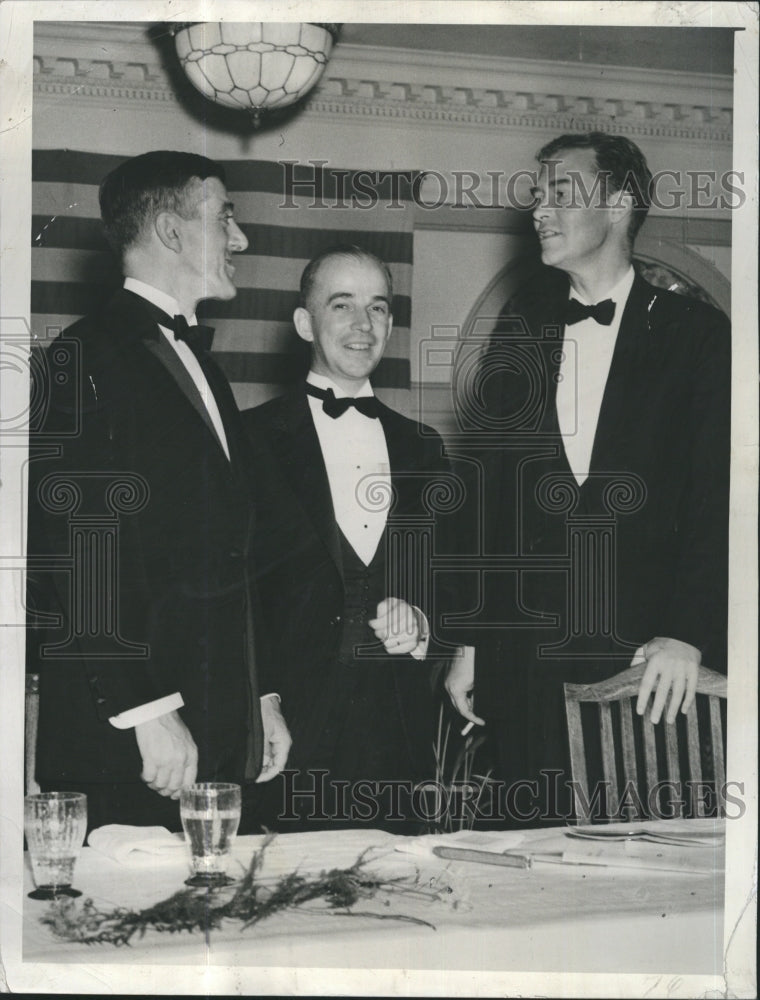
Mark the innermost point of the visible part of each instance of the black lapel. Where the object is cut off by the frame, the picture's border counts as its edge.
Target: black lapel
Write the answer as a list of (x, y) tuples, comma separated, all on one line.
[(128, 320), (542, 306), (297, 447), (626, 389), (402, 457), (168, 358)]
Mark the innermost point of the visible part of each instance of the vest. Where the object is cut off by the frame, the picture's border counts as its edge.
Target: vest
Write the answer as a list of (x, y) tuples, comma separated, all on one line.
[(364, 587)]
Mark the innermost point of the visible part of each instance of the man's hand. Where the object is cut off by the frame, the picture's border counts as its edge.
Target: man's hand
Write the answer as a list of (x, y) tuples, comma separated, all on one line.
[(277, 739), (169, 754), (671, 664), (459, 684), (397, 626)]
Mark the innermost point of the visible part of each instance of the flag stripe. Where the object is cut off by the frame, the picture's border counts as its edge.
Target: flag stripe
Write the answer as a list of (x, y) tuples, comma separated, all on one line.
[(59, 264), (303, 180), (76, 232), (78, 298), (81, 201)]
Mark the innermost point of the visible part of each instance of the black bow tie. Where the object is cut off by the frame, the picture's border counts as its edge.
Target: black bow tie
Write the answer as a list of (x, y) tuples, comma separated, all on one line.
[(197, 338), (335, 407), (603, 312)]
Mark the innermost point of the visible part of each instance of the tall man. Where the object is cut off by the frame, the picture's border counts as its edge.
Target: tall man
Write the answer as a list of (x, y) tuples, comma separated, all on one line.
[(628, 422), (150, 682), (345, 593)]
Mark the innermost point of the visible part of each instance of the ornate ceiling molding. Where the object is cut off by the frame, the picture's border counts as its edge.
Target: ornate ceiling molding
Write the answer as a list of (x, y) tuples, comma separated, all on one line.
[(117, 63)]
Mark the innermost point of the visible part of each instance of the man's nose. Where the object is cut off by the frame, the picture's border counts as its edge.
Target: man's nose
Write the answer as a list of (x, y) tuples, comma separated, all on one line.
[(362, 319), (540, 207), (236, 238)]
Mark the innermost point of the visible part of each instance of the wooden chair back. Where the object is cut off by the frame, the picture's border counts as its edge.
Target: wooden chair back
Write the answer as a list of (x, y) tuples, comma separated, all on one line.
[(623, 689)]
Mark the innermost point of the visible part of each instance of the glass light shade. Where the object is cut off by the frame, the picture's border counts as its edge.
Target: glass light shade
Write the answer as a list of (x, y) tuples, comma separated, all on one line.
[(254, 66)]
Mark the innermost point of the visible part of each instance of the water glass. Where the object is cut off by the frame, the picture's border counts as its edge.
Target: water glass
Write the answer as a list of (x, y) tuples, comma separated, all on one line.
[(55, 824), (210, 813)]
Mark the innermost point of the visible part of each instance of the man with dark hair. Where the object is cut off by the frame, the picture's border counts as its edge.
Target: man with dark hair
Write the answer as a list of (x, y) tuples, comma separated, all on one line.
[(150, 682), (612, 483), (340, 547), (620, 167)]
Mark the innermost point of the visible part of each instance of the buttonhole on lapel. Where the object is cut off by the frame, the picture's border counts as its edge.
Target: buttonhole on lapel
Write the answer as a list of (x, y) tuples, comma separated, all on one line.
[(649, 312)]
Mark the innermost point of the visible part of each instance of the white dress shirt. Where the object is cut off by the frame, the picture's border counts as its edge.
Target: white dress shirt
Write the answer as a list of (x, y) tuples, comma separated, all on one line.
[(358, 468), (587, 355)]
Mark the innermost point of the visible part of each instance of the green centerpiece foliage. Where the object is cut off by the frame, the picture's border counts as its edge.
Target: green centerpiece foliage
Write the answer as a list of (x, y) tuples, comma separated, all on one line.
[(253, 900)]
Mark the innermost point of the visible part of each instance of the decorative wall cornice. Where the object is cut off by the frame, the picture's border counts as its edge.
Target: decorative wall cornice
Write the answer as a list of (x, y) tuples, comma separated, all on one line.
[(119, 63), (499, 109)]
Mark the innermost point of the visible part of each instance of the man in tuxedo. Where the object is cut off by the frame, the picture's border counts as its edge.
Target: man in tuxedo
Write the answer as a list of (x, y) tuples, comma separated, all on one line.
[(147, 672), (610, 483), (341, 549)]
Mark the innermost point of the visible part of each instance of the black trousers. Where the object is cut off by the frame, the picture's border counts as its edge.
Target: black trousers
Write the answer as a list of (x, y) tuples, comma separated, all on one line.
[(354, 761)]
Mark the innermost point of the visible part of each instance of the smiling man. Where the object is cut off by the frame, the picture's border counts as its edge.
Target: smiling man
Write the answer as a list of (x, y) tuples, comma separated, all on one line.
[(629, 423), (348, 607), (150, 682)]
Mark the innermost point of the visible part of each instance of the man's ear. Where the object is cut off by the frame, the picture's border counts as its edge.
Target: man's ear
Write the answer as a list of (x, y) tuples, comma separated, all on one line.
[(621, 206), (167, 229), (302, 323)]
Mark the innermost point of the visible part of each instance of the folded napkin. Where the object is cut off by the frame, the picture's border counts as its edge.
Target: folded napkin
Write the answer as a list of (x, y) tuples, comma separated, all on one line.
[(130, 845)]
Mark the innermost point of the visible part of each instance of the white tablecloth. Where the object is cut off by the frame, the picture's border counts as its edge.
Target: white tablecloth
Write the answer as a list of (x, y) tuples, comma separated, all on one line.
[(545, 918)]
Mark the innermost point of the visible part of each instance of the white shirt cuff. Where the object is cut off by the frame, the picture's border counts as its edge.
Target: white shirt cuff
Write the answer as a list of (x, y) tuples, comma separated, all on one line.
[(270, 694), (145, 713), (420, 650)]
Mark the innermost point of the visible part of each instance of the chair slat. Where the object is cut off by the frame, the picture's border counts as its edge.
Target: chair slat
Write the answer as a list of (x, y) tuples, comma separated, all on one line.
[(650, 754), (577, 759), (630, 770), (671, 758), (608, 757), (695, 761), (719, 767)]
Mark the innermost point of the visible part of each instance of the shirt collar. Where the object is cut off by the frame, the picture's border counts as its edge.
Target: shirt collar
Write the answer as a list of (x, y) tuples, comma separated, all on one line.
[(157, 297), (323, 382), (618, 293)]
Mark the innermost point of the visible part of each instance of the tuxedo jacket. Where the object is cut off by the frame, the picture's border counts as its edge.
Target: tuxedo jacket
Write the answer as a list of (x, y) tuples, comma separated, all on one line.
[(659, 472), (297, 554), (125, 433)]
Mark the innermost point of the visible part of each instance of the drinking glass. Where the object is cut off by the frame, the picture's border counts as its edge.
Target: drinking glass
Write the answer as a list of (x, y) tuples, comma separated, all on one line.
[(210, 813), (55, 824)]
